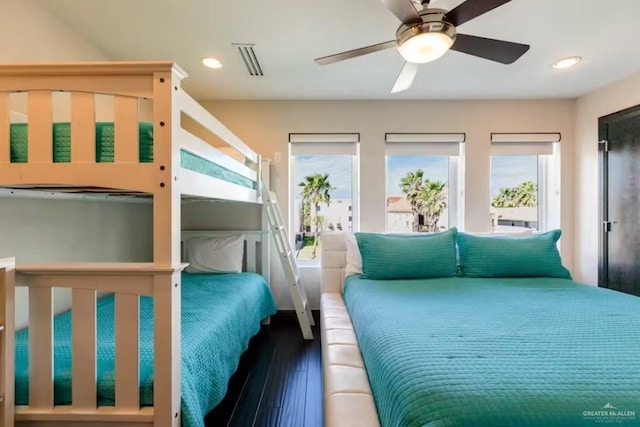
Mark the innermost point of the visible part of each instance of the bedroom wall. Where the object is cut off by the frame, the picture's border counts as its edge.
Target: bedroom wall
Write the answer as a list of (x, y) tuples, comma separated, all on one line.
[(265, 125), (60, 230), (609, 99), (45, 230), (30, 33)]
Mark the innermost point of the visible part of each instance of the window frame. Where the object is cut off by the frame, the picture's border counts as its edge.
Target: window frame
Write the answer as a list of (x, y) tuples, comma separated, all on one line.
[(326, 141), (433, 144), (546, 147)]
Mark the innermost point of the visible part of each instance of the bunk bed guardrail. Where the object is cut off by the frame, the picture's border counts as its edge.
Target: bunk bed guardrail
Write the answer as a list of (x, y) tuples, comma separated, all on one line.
[(86, 281), (174, 142)]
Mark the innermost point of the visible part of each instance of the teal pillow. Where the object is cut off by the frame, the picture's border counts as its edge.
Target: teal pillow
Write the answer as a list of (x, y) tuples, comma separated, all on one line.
[(534, 256), (402, 256)]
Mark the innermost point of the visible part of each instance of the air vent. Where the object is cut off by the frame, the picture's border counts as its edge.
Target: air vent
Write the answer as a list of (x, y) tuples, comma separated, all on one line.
[(248, 54)]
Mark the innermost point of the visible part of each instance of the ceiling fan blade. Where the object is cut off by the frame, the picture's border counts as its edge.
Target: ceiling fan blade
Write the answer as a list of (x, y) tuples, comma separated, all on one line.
[(471, 9), (404, 11), (355, 53), (491, 49), (405, 78)]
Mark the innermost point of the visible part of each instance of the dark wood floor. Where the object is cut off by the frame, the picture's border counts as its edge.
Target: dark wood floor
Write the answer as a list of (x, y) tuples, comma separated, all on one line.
[(278, 383)]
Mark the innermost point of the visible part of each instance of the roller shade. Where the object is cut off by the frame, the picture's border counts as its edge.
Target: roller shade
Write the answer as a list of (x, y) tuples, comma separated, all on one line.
[(434, 144), (520, 144), (312, 144)]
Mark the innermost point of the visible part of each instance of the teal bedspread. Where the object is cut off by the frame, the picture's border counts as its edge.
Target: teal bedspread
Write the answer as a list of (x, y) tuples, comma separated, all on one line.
[(498, 352), (220, 314)]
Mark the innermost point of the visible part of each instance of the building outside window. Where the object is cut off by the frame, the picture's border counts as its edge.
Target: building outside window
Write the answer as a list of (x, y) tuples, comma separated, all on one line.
[(515, 192), (323, 190), (422, 191), (524, 182)]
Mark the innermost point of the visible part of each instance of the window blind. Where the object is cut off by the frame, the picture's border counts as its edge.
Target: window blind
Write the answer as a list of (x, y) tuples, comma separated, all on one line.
[(520, 144), (435, 144), (312, 144)]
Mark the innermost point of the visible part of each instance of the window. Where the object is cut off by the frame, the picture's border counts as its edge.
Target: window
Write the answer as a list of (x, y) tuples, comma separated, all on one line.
[(323, 189), (524, 182), (422, 191)]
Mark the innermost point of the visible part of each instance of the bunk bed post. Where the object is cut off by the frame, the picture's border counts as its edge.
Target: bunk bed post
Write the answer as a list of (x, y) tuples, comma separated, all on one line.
[(166, 155), (264, 179), (7, 336), (166, 248), (5, 151)]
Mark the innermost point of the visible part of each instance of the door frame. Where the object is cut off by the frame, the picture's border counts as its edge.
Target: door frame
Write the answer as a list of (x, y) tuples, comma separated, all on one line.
[(603, 187)]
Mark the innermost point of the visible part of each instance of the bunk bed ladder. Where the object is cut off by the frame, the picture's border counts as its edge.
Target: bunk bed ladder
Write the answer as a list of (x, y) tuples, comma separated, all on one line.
[(287, 258)]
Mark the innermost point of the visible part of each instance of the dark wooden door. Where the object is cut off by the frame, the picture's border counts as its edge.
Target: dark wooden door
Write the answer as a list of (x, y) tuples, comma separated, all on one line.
[(620, 201)]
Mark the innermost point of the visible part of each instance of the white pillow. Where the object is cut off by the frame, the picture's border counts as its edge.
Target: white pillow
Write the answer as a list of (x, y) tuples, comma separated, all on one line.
[(221, 254), (354, 259)]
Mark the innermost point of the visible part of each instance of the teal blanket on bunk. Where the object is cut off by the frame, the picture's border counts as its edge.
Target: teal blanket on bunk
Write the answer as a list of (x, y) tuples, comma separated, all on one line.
[(498, 352), (220, 314), (105, 149)]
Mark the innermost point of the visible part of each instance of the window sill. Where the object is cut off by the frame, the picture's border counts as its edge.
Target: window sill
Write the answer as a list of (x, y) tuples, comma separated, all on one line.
[(308, 263)]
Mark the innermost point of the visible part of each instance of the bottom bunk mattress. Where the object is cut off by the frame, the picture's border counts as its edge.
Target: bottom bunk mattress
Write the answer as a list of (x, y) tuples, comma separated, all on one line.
[(220, 314), (498, 352)]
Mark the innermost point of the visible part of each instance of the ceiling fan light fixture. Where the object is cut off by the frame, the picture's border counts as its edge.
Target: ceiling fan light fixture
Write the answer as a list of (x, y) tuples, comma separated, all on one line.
[(426, 42)]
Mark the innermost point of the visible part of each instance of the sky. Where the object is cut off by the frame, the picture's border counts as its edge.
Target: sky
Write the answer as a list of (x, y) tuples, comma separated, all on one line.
[(510, 171), (338, 168), (506, 171), (434, 167)]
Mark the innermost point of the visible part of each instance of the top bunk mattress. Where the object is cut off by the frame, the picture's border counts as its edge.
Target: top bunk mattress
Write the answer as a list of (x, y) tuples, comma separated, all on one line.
[(220, 314), (61, 140), (498, 352)]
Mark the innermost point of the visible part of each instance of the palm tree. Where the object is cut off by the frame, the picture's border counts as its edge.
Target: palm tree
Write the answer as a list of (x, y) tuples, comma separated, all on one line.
[(411, 186), (526, 194), (504, 199), (315, 190), (432, 201), (305, 216)]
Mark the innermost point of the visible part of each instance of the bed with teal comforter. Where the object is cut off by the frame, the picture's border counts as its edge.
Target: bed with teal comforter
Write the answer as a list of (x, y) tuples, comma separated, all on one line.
[(220, 314), (498, 352)]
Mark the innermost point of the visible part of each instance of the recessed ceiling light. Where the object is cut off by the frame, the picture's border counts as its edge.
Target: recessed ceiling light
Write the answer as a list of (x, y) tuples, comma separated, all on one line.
[(211, 63), (566, 62)]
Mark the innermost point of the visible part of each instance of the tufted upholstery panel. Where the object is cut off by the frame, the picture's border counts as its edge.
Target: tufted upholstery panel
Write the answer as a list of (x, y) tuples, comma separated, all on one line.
[(348, 401), (333, 260)]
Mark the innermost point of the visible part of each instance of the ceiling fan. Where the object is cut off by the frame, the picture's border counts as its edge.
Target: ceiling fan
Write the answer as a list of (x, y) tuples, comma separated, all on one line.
[(427, 34)]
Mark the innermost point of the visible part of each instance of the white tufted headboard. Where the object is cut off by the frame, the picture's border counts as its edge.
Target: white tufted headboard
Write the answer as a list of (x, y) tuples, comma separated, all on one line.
[(333, 259)]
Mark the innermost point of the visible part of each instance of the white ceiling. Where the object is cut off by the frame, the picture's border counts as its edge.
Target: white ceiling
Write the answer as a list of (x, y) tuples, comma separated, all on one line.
[(289, 34)]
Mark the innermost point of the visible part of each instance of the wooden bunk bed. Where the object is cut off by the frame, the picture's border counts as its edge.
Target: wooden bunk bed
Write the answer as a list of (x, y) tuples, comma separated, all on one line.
[(178, 164)]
